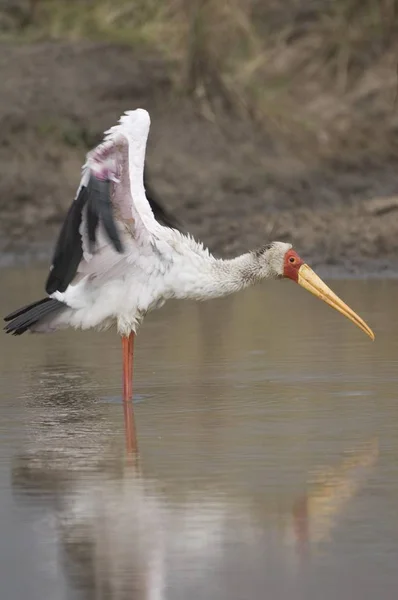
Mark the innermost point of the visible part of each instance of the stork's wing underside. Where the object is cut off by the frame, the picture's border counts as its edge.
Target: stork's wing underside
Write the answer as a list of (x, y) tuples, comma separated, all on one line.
[(94, 198), (111, 199)]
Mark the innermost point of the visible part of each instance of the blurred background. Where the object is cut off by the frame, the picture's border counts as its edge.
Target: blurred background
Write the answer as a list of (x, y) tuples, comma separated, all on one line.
[(270, 119)]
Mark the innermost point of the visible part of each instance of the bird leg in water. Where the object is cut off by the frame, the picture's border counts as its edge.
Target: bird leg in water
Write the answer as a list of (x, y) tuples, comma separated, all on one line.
[(128, 346), (129, 423), (129, 428)]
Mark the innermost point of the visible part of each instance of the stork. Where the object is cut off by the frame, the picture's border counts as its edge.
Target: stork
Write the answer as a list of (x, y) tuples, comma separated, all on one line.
[(119, 255)]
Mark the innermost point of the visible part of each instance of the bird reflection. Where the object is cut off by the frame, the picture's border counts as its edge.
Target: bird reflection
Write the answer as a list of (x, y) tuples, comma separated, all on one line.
[(124, 534), (317, 513), (115, 531)]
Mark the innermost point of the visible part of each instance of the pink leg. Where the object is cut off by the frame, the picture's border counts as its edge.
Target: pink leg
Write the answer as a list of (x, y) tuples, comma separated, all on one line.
[(128, 346)]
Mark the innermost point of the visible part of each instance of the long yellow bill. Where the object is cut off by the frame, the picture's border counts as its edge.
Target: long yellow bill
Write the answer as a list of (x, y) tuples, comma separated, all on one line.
[(311, 282)]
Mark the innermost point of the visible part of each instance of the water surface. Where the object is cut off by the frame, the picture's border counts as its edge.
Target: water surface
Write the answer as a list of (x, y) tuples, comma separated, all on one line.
[(268, 438)]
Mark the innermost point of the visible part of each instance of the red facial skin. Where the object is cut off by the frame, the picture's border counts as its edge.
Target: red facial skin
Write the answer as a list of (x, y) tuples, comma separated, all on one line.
[(291, 265)]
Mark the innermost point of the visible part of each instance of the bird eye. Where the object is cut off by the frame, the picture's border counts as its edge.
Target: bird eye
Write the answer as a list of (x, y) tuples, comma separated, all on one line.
[(292, 259)]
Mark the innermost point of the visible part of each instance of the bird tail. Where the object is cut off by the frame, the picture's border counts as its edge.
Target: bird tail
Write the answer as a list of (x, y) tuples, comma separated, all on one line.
[(32, 315)]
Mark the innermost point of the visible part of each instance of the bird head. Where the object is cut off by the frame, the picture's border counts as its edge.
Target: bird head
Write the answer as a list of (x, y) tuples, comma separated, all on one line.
[(279, 260)]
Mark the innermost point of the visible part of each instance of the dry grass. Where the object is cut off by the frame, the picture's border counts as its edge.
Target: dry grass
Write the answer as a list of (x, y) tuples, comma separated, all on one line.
[(319, 71)]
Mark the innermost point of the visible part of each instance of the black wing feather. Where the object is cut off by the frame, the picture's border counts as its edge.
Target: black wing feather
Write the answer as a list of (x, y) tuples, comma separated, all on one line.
[(68, 250), (100, 200), (24, 318), (23, 309)]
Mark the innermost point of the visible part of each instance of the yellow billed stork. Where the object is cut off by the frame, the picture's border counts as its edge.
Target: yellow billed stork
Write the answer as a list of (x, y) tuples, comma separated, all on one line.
[(118, 255)]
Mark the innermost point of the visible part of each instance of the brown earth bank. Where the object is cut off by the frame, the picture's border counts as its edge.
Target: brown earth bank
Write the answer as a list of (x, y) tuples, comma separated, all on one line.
[(233, 184)]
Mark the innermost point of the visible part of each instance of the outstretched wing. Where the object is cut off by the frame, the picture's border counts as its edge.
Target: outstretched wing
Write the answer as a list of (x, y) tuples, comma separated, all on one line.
[(111, 208)]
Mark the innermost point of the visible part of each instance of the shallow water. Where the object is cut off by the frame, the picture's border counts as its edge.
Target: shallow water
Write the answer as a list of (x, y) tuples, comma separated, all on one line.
[(268, 436)]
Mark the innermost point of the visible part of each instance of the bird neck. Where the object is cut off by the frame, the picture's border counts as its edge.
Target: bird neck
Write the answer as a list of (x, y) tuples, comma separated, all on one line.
[(237, 273), (202, 276)]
